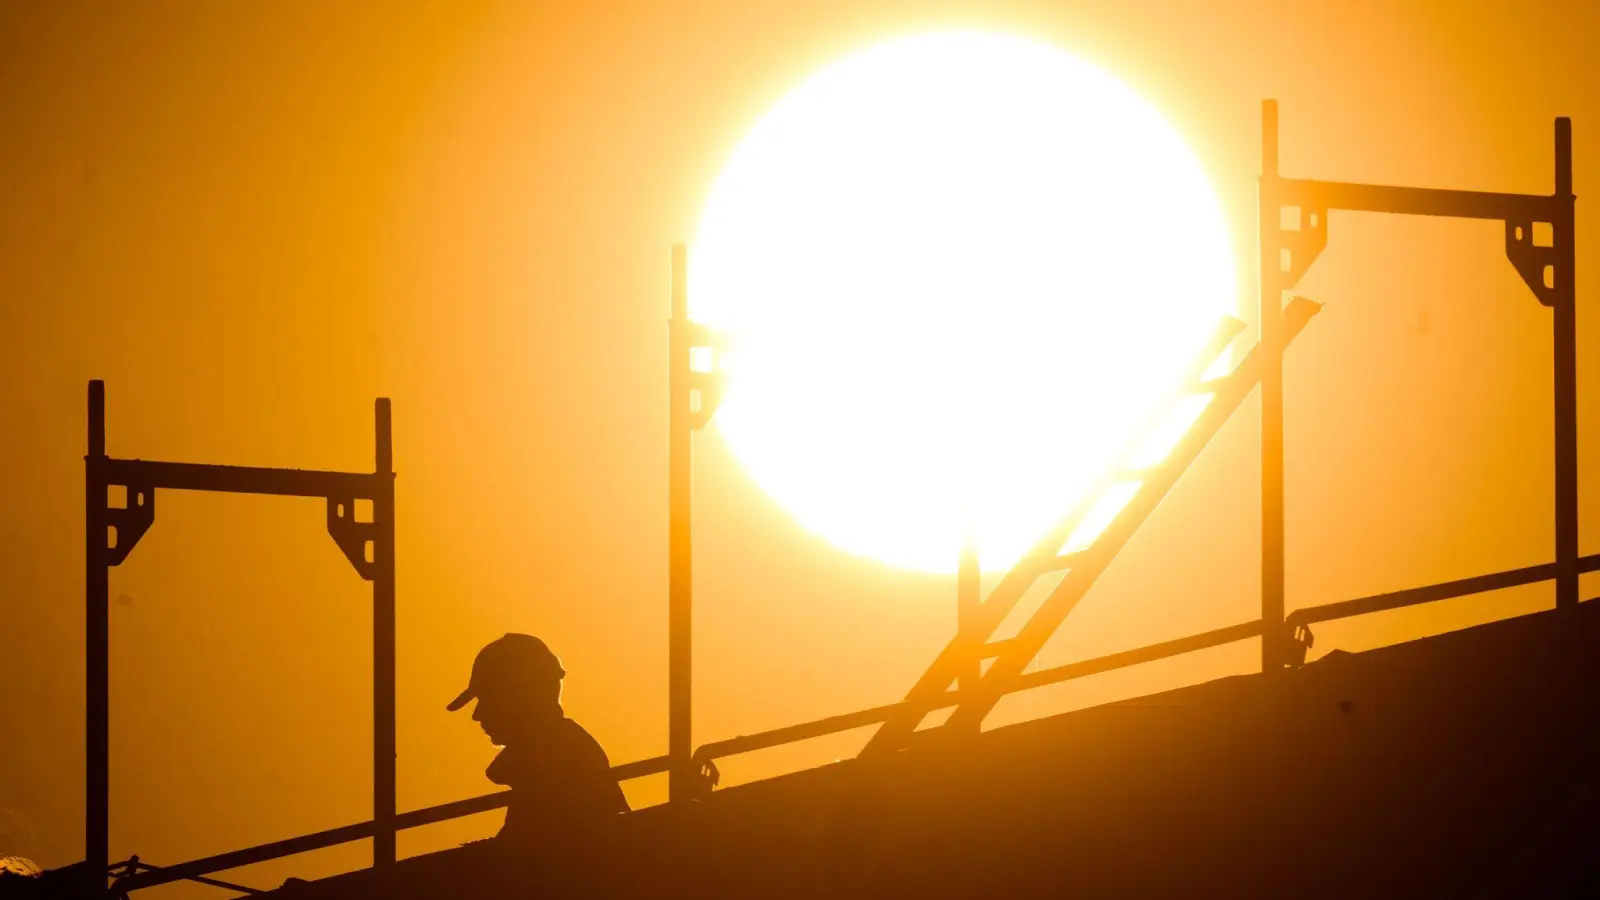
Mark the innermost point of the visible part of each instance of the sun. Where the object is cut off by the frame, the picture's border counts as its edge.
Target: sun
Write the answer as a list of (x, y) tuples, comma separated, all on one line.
[(957, 270)]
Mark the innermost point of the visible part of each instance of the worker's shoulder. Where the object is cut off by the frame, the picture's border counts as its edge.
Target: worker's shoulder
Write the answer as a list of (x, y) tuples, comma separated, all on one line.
[(581, 743)]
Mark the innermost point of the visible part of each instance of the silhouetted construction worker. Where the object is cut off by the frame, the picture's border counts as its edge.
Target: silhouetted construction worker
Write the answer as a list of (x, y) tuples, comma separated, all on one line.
[(559, 776)]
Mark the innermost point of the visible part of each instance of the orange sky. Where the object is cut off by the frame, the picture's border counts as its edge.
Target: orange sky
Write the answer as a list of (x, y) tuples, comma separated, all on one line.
[(250, 219)]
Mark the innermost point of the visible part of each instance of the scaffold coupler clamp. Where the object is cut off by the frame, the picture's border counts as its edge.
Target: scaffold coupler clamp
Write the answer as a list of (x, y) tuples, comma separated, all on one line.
[(707, 776), (1300, 640)]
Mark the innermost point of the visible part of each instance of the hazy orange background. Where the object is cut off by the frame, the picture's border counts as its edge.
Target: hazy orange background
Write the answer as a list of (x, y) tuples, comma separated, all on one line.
[(251, 219)]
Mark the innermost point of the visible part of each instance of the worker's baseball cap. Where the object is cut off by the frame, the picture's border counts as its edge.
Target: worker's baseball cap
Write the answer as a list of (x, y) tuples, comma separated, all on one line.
[(513, 662)]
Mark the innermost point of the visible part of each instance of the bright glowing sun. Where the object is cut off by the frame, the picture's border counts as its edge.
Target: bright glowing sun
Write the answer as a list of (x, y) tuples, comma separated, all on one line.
[(957, 271)]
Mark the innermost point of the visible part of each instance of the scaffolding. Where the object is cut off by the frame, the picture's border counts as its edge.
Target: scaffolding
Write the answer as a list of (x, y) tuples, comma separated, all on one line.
[(1293, 230), (113, 526)]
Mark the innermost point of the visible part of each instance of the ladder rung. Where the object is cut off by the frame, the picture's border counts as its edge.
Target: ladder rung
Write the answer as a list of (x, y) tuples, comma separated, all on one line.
[(1298, 309), (1057, 563), (1211, 385), (993, 648)]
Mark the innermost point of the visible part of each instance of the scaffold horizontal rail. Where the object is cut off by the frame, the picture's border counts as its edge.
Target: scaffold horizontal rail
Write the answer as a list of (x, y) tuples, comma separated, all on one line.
[(241, 479), (1313, 194), (1448, 590), (332, 837)]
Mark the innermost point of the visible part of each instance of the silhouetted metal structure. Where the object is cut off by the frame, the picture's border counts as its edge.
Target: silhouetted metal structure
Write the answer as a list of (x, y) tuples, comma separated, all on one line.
[(1082, 566), (1293, 231), (696, 388), (969, 597), (111, 531)]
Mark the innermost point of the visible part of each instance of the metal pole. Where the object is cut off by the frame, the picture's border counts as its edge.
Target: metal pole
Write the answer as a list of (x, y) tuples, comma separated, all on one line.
[(679, 559), (97, 651), (1566, 374), (1271, 316), (383, 712), (967, 600)]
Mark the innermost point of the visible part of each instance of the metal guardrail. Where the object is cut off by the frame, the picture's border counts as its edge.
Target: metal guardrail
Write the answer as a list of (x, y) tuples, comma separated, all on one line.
[(197, 870), (194, 870)]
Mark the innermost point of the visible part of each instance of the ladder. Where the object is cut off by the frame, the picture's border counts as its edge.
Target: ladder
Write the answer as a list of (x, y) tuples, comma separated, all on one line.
[(1144, 487)]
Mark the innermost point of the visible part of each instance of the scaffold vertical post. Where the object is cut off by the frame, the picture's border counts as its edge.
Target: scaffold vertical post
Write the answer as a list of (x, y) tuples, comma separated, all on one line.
[(1566, 372), (383, 640), (679, 577), (97, 651), (968, 584), (1271, 344)]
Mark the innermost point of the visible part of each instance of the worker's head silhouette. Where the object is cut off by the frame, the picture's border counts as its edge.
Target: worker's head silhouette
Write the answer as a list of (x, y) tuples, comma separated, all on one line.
[(517, 683)]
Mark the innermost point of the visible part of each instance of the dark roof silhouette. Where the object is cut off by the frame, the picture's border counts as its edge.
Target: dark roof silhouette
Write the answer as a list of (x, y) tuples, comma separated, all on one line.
[(1457, 765)]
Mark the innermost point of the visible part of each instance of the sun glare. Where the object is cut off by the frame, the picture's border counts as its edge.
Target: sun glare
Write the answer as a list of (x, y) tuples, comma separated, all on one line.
[(957, 271)]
